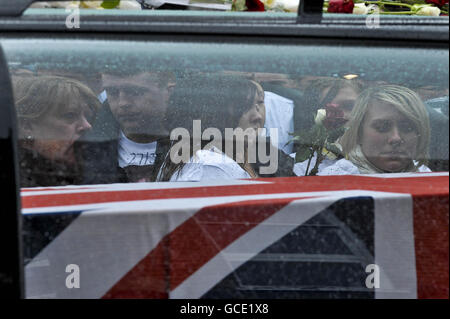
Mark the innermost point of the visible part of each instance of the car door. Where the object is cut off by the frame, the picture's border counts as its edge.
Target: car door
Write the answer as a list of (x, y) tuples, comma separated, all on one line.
[(114, 232)]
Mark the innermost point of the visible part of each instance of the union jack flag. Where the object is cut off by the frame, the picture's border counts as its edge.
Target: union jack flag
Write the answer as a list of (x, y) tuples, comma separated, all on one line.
[(306, 237)]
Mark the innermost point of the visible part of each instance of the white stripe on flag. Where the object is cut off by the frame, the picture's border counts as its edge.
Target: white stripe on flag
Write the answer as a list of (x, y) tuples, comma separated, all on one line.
[(394, 246)]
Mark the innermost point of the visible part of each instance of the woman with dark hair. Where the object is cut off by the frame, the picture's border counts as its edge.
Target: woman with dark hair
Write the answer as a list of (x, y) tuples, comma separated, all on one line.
[(53, 113), (220, 105)]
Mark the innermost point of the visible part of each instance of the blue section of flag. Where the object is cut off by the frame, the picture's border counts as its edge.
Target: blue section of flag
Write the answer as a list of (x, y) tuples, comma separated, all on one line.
[(325, 257), (39, 230)]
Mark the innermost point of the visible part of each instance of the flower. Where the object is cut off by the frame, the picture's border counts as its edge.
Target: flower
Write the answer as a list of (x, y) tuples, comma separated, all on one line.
[(254, 5), (429, 11), (341, 6), (100, 5), (388, 7), (91, 4), (439, 3), (334, 117), (281, 5), (320, 116), (360, 8), (337, 148), (56, 4), (129, 5)]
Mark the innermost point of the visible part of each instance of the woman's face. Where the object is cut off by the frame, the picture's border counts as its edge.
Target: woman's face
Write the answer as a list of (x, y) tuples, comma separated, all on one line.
[(388, 139), (56, 131), (255, 117), (341, 106)]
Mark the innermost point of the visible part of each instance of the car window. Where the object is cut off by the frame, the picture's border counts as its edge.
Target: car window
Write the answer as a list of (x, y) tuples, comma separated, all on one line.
[(184, 153), (134, 110), (405, 8)]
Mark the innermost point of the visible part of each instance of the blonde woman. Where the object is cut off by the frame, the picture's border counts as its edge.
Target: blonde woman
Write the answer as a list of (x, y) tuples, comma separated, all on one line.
[(389, 132), (53, 113)]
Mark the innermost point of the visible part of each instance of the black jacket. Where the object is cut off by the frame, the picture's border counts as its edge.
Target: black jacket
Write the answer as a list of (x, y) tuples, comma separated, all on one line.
[(36, 170)]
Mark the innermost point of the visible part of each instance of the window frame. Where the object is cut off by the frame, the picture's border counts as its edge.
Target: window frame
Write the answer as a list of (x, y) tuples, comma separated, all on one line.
[(204, 27)]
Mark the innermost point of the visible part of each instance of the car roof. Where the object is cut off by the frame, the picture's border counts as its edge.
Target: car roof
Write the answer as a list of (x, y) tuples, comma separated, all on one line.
[(14, 17)]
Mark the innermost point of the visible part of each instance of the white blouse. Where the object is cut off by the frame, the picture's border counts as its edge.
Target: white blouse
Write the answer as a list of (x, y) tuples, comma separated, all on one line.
[(209, 165), (333, 167)]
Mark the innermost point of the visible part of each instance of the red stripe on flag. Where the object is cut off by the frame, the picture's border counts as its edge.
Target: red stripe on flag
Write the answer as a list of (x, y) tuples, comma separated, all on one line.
[(416, 186), (431, 235), (191, 245)]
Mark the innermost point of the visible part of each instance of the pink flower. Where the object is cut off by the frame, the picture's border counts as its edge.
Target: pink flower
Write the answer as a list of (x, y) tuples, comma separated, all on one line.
[(341, 6), (334, 118)]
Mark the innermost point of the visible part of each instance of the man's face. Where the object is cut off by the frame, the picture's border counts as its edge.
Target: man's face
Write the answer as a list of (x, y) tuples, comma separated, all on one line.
[(137, 102), (344, 100)]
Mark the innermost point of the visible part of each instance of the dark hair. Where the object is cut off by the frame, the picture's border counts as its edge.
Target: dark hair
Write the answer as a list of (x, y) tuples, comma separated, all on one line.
[(218, 100), (312, 98), (161, 78)]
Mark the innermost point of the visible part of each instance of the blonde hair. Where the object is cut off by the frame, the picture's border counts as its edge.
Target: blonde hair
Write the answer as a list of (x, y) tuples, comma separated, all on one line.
[(404, 100), (36, 96)]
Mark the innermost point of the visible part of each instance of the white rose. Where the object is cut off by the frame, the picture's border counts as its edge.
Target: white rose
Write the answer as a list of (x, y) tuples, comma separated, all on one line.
[(91, 4), (40, 4), (129, 5), (286, 5), (360, 8), (429, 11), (320, 116), (268, 3), (373, 8), (57, 4), (289, 5)]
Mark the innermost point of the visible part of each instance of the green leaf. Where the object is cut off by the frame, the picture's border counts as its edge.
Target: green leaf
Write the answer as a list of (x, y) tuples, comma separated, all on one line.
[(332, 147), (305, 137), (303, 153), (110, 4), (335, 134), (295, 138)]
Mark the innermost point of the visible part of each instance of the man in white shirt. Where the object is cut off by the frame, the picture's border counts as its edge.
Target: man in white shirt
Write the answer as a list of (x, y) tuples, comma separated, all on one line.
[(280, 115), (138, 103)]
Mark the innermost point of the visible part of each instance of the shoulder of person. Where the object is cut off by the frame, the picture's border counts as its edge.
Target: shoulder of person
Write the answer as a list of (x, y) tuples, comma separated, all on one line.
[(300, 167), (423, 168), (208, 165), (270, 96), (212, 156), (340, 167)]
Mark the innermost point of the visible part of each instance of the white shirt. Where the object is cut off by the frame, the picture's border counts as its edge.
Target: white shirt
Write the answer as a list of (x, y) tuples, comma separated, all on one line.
[(132, 153), (333, 167), (280, 115), (209, 165)]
